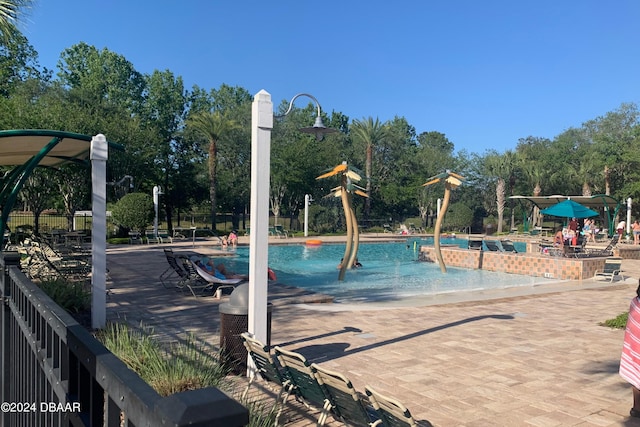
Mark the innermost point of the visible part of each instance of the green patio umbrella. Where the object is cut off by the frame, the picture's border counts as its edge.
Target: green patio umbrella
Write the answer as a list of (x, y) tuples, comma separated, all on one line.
[(569, 209)]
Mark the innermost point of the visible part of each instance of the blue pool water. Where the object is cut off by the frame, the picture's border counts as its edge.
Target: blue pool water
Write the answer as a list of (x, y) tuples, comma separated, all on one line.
[(390, 271)]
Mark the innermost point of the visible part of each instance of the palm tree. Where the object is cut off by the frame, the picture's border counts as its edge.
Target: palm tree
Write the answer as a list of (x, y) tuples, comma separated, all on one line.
[(212, 125), (451, 180), (345, 191), (9, 12), (369, 132)]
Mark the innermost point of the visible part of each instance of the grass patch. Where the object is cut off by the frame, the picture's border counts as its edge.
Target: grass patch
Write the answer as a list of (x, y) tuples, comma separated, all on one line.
[(620, 322), (178, 367), (171, 369)]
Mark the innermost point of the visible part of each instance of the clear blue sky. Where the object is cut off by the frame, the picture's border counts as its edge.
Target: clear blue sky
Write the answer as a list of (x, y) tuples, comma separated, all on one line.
[(484, 73)]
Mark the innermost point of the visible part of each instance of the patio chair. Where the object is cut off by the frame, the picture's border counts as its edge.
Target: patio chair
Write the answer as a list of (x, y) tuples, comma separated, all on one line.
[(348, 405), (280, 231), (507, 246), (135, 238), (173, 269), (392, 413), (304, 382), (152, 238), (267, 368), (164, 236), (611, 269), (492, 245), (608, 251), (475, 244), (197, 284), (218, 284)]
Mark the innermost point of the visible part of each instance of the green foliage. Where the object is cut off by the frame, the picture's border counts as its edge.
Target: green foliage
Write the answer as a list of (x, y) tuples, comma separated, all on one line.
[(72, 296), (183, 366), (458, 217), (619, 322), (134, 211)]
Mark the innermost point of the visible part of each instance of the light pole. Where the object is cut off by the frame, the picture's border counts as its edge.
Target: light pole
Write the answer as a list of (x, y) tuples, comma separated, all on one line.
[(307, 200), (157, 190), (261, 126)]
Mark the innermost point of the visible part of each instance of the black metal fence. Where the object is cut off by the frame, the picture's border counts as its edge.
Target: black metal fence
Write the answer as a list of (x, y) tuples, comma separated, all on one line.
[(55, 373)]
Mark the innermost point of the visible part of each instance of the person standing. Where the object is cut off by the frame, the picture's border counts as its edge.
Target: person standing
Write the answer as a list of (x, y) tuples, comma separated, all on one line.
[(620, 230), (636, 232)]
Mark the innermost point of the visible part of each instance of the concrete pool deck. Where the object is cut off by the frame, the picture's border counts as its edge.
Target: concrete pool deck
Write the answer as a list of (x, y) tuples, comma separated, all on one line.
[(537, 358)]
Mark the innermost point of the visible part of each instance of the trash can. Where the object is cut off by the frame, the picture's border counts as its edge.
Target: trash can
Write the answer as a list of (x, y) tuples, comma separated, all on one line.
[(234, 320)]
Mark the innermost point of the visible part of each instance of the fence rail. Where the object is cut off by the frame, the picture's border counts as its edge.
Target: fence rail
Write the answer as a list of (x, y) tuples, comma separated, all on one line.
[(55, 373)]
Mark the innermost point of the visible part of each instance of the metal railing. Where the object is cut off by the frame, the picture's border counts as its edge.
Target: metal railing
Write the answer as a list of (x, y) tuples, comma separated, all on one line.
[(55, 373)]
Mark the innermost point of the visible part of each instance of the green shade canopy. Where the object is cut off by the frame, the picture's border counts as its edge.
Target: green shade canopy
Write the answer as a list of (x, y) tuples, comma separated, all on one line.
[(18, 147)]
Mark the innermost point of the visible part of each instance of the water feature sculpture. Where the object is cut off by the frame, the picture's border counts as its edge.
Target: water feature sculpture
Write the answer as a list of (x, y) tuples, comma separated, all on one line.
[(451, 180)]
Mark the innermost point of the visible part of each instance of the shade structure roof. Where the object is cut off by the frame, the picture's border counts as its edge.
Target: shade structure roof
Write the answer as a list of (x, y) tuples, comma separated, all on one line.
[(18, 147), (597, 201)]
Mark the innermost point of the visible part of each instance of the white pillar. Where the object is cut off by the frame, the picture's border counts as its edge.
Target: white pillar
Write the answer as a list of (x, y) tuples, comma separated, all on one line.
[(261, 125), (156, 196), (99, 154), (629, 215), (307, 199)]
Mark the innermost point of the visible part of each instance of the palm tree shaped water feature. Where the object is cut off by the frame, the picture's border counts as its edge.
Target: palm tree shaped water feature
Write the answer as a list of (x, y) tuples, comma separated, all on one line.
[(451, 180), (345, 191)]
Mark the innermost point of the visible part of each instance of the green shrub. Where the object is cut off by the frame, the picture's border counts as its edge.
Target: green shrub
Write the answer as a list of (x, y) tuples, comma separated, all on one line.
[(134, 211), (620, 322), (72, 296)]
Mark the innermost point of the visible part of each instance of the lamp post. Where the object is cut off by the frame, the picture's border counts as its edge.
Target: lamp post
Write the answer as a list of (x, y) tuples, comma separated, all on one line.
[(307, 200), (157, 190), (261, 126)]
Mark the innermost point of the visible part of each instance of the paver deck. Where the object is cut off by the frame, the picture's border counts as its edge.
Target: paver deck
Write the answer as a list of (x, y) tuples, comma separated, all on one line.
[(541, 359)]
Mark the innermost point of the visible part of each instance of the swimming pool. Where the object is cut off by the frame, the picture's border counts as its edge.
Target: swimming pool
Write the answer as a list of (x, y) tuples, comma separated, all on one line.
[(390, 271)]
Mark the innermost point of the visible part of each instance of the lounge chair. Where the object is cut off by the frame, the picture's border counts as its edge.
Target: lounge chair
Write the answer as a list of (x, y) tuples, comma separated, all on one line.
[(475, 244), (492, 245), (200, 282), (507, 246), (304, 382), (219, 284), (347, 405), (611, 269), (391, 412), (280, 231), (268, 368), (164, 236), (152, 238), (608, 251), (173, 269), (135, 238)]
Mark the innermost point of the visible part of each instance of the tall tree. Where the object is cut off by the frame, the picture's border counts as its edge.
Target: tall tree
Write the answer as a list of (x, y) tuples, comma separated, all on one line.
[(370, 132), (211, 125)]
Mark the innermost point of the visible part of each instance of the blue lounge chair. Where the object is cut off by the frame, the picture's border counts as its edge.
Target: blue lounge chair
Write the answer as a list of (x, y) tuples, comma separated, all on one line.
[(492, 245), (507, 246)]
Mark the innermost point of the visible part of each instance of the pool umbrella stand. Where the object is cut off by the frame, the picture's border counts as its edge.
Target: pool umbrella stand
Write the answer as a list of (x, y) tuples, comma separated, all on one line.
[(569, 209)]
